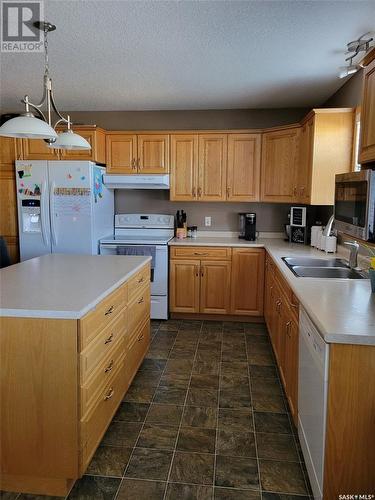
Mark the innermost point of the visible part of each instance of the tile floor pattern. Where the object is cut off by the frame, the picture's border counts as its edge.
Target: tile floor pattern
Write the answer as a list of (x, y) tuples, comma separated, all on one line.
[(205, 418)]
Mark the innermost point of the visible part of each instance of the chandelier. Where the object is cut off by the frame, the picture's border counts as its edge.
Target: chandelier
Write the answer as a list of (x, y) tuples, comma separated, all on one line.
[(29, 126)]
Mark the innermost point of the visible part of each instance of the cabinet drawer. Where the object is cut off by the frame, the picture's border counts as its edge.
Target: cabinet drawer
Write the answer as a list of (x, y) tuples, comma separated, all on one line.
[(138, 281), (96, 422), (139, 309), (137, 351), (105, 342), (102, 315), (91, 391), (201, 253)]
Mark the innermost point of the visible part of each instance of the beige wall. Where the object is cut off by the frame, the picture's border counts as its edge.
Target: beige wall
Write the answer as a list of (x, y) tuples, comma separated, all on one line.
[(349, 95), (183, 120)]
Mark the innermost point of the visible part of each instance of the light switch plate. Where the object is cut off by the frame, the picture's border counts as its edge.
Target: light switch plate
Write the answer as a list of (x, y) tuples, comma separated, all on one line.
[(207, 221)]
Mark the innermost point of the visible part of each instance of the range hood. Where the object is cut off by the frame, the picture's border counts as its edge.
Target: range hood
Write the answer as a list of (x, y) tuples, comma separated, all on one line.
[(136, 181)]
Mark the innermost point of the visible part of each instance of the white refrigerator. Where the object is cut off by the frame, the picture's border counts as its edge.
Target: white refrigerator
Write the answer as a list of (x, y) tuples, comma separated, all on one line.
[(63, 207)]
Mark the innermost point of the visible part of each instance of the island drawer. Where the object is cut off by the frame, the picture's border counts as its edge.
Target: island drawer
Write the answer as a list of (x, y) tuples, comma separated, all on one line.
[(138, 281), (96, 422), (105, 342), (102, 315), (103, 374), (139, 308), (189, 252)]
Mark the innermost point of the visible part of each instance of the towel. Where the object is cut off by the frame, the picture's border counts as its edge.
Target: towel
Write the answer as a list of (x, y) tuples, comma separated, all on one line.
[(138, 250)]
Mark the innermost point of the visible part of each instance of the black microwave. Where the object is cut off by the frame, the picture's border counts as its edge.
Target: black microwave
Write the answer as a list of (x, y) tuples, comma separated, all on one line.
[(355, 204)]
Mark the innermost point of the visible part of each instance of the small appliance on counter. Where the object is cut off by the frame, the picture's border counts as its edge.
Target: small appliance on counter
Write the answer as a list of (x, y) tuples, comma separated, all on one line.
[(247, 226), (298, 227)]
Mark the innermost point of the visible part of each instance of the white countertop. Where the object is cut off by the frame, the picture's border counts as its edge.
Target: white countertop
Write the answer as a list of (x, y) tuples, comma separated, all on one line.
[(343, 310), (63, 286)]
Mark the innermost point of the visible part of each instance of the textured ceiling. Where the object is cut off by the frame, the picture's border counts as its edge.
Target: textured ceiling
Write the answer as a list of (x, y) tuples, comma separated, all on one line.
[(148, 55)]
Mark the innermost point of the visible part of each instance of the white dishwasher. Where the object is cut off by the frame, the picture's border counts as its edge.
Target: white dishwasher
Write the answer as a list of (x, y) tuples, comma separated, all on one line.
[(312, 399)]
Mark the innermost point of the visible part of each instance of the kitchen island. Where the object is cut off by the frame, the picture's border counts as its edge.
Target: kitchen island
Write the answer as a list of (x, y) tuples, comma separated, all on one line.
[(74, 330)]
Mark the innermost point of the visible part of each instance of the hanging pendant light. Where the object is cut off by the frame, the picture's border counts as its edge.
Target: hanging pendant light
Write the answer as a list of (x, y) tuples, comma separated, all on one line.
[(69, 140), (29, 126)]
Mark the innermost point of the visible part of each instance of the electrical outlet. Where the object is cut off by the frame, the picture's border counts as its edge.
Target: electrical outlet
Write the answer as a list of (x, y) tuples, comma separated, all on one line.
[(207, 221)]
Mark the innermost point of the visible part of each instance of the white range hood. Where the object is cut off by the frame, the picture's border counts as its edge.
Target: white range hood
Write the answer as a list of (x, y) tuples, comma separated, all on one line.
[(136, 181)]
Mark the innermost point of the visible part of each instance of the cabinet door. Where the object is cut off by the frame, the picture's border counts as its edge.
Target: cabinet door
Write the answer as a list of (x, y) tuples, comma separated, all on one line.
[(7, 152), (121, 153), (215, 287), (279, 165), (243, 177), (247, 282), (184, 167), (367, 152), (306, 144), (268, 287), (212, 167), (37, 149), (291, 366), (184, 282), (153, 154)]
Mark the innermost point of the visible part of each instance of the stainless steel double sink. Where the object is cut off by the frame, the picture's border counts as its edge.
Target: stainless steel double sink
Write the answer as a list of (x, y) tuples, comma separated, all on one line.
[(310, 267)]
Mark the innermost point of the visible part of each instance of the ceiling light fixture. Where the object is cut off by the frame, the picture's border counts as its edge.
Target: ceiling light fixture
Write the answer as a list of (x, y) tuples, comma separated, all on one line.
[(362, 44), (29, 126)]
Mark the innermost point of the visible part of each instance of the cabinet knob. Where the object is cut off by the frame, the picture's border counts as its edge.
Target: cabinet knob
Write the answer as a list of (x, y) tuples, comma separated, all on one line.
[(141, 300), (139, 164), (109, 394), (228, 192), (109, 339), (199, 192), (110, 311), (109, 367), (193, 192)]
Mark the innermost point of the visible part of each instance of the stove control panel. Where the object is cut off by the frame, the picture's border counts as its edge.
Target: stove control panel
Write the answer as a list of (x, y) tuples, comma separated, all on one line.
[(144, 220)]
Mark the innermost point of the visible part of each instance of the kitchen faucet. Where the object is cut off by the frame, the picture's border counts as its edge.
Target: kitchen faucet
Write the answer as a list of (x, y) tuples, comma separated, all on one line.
[(353, 258)]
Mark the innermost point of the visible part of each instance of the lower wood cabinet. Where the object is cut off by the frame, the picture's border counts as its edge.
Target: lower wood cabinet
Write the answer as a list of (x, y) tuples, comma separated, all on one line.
[(212, 280), (247, 281), (281, 316), (62, 381), (215, 287)]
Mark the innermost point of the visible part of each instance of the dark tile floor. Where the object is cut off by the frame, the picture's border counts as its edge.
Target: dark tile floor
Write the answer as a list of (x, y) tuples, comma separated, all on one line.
[(205, 418)]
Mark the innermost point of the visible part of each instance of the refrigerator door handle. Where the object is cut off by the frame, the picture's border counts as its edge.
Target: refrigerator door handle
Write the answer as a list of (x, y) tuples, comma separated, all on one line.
[(43, 214), (52, 214)]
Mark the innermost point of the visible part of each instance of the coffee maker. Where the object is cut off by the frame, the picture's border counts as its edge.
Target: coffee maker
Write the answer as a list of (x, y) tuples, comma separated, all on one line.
[(247, 226)]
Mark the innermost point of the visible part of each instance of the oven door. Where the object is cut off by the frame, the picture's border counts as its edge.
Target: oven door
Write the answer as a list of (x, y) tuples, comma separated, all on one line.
[(353, 203), (159, 275)]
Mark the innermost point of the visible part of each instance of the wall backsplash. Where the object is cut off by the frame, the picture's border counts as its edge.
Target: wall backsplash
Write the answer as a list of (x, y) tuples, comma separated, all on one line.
[(270, 216)]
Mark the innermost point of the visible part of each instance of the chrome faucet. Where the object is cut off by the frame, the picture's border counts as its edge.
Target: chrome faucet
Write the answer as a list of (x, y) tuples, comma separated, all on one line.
[(353, 258)]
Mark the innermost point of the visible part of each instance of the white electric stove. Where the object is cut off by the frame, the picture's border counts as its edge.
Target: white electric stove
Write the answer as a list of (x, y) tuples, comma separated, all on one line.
[(133, 231)]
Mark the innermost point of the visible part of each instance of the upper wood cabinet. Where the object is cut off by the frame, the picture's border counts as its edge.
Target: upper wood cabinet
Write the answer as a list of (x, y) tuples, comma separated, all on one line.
[(243, 174), (95, 136), (247, 274), (184, 167), (367, 147), (37, 149), (153, 153), (198, 167), (326, 144), (143, 153), (279, 165), (121, 153), (9, 151), (212, 167)]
